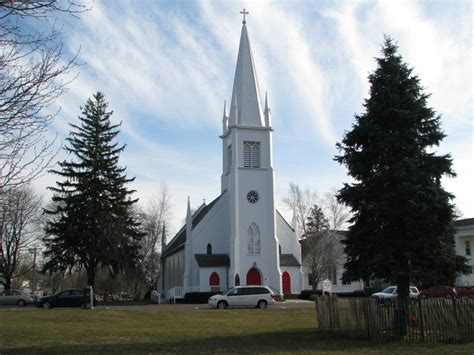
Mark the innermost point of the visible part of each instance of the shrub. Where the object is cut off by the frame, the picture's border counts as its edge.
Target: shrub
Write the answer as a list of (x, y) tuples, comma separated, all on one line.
[(198, 297), (306, 294)]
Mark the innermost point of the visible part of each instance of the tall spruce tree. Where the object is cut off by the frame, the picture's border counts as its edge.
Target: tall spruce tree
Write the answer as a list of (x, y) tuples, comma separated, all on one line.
[(402, 226), (92, 223)]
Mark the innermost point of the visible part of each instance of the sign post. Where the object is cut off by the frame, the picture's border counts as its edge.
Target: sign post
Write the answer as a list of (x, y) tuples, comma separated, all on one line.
[(91, 297), (327, 286)]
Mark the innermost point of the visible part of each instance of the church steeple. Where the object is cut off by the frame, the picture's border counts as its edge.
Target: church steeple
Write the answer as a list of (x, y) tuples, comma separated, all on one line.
[(246, 108), (225, 118), (267, 113)]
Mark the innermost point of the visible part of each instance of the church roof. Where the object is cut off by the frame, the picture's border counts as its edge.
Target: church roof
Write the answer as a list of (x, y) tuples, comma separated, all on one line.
[(246, 107), (464, 222), (288, 260), (212, 260), (179, 239)]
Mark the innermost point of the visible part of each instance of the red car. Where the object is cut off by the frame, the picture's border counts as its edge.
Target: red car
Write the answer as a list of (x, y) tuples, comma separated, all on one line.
[(438, 291), (465, 291)]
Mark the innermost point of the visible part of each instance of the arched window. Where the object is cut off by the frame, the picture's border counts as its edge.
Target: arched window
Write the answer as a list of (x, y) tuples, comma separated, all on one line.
[(256, 155), (279, 249), (253, 239), (237, 280), (247, 155), (251, 154), (209, 249)]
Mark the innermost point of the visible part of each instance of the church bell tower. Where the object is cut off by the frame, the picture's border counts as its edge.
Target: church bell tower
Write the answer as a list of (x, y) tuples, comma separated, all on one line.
[(248, 178)]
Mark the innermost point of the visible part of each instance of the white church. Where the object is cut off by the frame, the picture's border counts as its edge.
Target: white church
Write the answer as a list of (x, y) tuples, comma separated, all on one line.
[(239, 238)]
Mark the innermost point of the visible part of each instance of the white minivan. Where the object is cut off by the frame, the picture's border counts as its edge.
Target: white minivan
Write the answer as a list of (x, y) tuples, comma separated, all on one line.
[(243, 296)]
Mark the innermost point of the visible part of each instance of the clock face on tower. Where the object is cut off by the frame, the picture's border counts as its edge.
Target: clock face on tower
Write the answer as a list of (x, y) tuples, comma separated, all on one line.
[(252, 196)]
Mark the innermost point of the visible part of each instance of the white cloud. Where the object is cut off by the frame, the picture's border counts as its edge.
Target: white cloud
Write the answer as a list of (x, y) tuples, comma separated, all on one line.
[(160, 67)]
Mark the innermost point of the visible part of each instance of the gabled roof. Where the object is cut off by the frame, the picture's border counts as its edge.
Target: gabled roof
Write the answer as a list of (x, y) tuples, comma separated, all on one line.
[(212, 260), (288, 260), (464, 222), (245, 107), (284, 220), (179, 239)]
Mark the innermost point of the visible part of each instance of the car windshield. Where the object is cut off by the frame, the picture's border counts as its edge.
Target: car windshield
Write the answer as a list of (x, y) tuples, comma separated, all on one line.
[(413, 290), (390, 289), (230, 290)]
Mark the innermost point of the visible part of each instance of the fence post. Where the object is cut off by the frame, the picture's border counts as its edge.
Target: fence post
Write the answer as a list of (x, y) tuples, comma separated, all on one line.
[(422, 325)]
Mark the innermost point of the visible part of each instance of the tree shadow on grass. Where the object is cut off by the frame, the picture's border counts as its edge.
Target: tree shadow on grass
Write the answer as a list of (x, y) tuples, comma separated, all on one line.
[(301, 341)]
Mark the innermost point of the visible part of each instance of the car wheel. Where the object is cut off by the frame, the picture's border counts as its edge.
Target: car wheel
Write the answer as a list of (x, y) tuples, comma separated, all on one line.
[(262, 304), (449, 297), (21, 303), (423, 297), (222, 305), (46, 305)]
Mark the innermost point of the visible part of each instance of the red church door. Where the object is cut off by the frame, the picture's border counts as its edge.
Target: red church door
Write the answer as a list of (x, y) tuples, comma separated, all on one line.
[(214, 282), (253, 277), (286, 282)]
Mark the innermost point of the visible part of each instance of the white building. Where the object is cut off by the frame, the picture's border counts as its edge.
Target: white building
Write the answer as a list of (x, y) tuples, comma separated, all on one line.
[(465, 247), (239, 238)]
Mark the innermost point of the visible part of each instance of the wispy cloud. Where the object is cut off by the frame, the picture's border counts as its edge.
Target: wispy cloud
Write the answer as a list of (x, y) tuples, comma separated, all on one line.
[(166, 68)]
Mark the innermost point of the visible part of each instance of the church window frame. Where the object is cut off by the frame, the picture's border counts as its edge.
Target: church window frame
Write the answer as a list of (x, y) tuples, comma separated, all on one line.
[(229, 158), (253, 240), (251, 154), (209, 249), (237, 280)]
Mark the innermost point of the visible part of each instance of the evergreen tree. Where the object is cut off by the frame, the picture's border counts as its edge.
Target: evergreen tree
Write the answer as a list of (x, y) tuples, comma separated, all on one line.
[(92, 223), (402, 226)]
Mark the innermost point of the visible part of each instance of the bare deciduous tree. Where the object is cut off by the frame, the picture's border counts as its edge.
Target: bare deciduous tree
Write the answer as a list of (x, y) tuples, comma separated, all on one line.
[(32, 76), (19, 212), (154, 220), (300, 202), (322, 251), (320, 222), (337, 213)]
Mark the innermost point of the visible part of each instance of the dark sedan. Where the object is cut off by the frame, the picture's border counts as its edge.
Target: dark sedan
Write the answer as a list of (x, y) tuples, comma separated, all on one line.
[(465, 291), (67, 298), (438, 291)]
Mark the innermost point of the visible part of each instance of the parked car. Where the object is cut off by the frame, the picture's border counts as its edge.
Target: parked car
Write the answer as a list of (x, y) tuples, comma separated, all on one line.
[(391, 293), (15, 297), (438, 291), (465, 291), (243, 296), (67, 298)]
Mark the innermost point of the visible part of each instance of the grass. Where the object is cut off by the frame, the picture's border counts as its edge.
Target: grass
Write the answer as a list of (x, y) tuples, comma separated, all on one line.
[(155, 329)]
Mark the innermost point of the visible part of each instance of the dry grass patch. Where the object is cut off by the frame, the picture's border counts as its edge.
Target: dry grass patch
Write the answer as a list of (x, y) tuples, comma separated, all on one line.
[(157, 329)]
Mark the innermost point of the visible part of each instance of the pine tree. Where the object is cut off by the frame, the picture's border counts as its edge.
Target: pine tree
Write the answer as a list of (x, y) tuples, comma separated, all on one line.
[(92, 223), (402, 227)]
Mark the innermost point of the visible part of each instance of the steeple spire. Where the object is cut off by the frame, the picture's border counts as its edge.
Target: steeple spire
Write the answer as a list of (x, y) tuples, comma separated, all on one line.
[(267, 113), (246, 108), (224, 118)]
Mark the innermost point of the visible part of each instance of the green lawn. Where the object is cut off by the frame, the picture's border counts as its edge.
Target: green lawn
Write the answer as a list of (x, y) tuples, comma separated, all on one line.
[(171, 329)]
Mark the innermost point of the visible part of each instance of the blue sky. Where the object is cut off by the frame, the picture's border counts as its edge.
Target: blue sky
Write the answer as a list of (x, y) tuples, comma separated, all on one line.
[(166, 68)]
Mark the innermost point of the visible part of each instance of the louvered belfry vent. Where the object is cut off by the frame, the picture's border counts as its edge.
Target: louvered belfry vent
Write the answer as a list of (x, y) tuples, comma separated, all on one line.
[(251, 154)]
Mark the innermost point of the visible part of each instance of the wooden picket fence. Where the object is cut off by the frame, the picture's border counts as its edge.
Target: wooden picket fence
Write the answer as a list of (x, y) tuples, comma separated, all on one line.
[(432, 320)]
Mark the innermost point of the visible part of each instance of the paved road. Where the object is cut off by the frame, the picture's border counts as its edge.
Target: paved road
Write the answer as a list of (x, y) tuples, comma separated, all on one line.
[(279, 305)]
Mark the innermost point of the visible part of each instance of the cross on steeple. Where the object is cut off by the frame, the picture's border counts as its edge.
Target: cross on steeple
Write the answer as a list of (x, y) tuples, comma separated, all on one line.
[(243, 12)]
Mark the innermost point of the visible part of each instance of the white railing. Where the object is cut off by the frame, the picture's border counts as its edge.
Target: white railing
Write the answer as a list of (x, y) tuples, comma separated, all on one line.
[(179, 292)]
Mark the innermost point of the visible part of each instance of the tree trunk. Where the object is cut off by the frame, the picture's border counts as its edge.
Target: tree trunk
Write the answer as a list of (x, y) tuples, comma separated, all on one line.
[(403, 303), (91, 277), (8, 282)]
